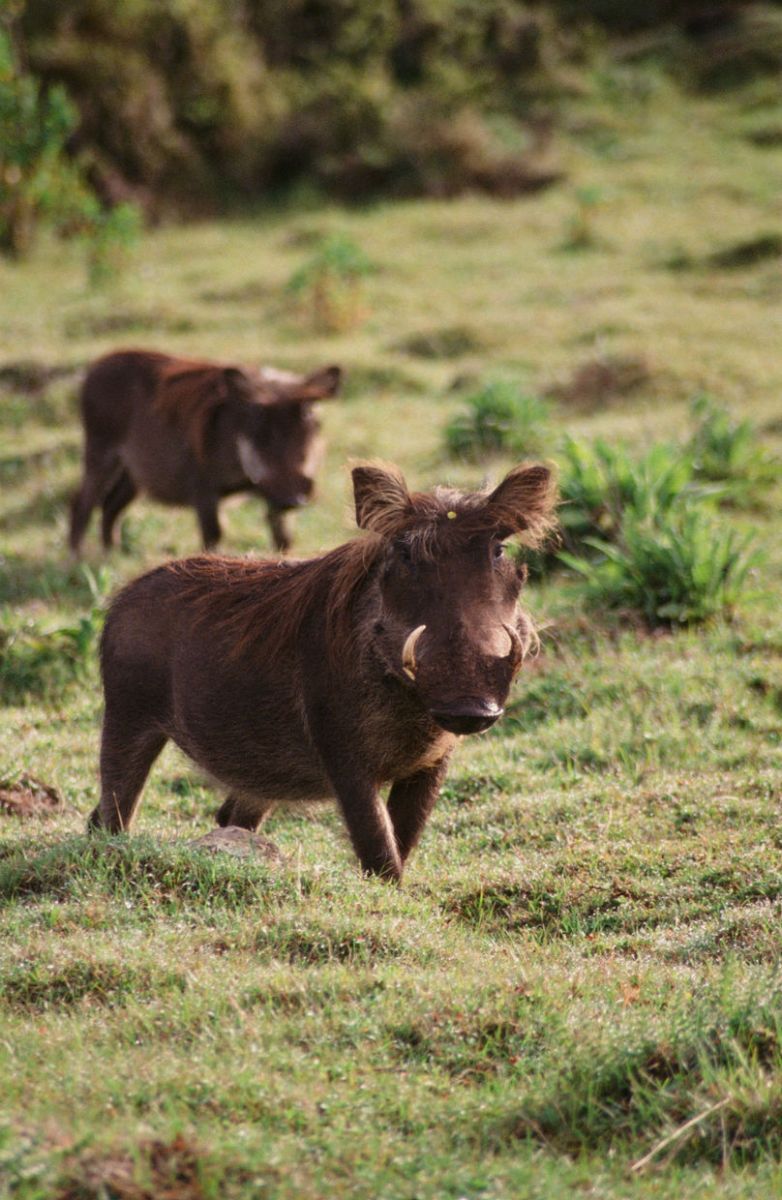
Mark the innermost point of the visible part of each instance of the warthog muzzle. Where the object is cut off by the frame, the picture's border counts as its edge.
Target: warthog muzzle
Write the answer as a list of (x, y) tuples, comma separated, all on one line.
[(467, 716)]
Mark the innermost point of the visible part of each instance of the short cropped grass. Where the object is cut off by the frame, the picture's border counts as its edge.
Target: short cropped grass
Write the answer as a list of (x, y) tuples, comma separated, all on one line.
[(577, 990)]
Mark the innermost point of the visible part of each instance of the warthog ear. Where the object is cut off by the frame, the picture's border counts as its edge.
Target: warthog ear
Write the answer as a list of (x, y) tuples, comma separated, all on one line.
[(321, 385), (525, 502), (381, 496), (238, 382)]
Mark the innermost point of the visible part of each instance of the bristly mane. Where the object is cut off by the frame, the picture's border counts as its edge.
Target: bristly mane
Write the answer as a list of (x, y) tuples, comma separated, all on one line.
[(266, 602), (189, 392)]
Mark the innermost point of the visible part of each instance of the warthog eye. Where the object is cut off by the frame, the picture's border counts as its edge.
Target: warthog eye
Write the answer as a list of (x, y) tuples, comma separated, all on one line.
[(498, 550)]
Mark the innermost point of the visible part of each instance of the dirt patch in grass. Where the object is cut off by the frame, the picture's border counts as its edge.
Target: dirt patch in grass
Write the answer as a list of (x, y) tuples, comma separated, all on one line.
[(28, 797), (469, 1046), (602, 380), (126, 320), (31, 376), (450, 342), (158, 1170), (747, 253), (249, 292)]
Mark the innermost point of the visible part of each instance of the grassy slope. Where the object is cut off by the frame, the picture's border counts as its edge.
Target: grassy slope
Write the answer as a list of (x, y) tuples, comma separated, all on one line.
[(584, 955)]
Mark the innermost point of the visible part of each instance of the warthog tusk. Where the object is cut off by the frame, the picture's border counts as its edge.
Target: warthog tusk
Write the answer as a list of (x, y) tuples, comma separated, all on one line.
[(408, 652), (516, 652), (251, 462)]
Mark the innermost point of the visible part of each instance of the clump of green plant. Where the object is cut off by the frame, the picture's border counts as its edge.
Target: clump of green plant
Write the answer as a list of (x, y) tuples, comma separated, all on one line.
[(727, 451), (676, 567), (40, 184), (34, 127), (600, 483), (329, 286), (498, 418), (41, 661), (111, 235), (580, 230)]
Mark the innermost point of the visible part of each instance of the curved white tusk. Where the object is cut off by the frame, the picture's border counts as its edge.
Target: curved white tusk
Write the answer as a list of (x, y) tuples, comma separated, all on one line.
[(516, 652), (251, 462), (408, 652)]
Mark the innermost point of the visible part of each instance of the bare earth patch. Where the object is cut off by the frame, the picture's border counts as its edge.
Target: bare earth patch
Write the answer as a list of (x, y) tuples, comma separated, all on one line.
[(160, 1171), (603, 379), (28, 797)]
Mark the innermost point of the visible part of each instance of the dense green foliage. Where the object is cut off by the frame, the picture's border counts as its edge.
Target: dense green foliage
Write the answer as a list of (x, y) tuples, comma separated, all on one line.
[(499, 418), (674, 567), (40, 182), (190, 104)]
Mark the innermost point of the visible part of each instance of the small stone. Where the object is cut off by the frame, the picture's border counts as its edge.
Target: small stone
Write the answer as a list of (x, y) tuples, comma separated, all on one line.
[(240, 842)]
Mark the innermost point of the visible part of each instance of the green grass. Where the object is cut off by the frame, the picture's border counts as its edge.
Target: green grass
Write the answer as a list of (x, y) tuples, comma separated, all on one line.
[(585, 954)]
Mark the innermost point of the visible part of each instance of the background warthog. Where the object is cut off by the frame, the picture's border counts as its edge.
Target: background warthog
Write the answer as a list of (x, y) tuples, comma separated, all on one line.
[(188, 432), (330, 676)]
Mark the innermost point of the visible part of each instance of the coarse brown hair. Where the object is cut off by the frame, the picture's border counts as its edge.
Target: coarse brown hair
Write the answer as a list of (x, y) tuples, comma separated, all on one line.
[(189, 393)]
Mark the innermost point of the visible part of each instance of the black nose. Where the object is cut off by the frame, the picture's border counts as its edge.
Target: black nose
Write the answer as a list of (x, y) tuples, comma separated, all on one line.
[(468, 716)]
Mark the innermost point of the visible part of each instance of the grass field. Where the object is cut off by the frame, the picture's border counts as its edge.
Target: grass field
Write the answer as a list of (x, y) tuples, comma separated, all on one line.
[(581, 973)]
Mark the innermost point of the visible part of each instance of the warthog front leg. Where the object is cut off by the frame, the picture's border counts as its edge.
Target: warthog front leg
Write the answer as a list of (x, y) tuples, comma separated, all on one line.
[(368, 823), (281, 526), (125, 759), (205, 502), (410, 802)]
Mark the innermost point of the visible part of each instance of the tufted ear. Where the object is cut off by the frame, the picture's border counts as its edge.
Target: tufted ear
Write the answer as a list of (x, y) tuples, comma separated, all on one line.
[(299, 389), (381, 496), (525, 502), (238, 384), (321, 385)]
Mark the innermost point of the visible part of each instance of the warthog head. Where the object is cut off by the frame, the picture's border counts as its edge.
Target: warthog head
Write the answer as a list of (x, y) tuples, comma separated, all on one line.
[(446, 622), (277, 430)]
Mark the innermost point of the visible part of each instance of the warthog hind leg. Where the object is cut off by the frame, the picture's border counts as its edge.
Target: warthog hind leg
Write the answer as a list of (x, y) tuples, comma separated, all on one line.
[(119, 496), (244, 811)]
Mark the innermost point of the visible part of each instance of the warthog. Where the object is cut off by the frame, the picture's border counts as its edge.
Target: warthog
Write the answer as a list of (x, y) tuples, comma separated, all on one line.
[(331, 676), (189, 432)]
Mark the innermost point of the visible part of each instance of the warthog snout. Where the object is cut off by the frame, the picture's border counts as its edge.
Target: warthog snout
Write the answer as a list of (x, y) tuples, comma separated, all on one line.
[(467, 716)]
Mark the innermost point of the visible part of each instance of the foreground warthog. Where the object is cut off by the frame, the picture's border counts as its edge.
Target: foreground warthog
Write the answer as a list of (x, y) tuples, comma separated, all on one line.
[(331, 676), (189, 432)]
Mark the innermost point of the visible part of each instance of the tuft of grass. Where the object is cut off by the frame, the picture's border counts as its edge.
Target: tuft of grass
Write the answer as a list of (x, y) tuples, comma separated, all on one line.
[(581, 229), (601, 482), (147, 875), (40, 661), (328, 287), (453, 341), (33, 985), (679, 568), (727, 451), (499, 418)]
